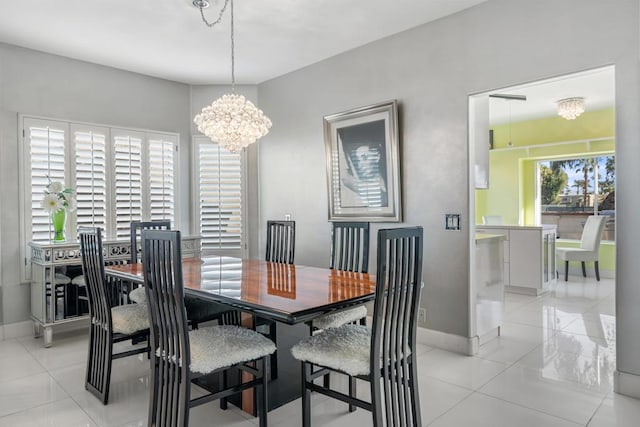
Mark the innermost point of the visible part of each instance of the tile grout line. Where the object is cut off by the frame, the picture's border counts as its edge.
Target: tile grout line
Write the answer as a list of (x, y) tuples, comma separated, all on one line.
[(530, 408), (452, 408), (596, 411)]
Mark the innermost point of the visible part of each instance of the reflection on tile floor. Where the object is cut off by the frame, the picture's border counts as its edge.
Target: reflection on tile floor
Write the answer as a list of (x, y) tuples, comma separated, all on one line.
[(552, 366)]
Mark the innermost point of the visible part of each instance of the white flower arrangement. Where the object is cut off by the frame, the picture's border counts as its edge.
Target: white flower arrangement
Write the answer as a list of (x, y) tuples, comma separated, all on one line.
[(57, 197)]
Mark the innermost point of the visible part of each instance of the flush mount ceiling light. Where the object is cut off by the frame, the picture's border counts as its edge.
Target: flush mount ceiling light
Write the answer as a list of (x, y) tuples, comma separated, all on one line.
[(570, 108), (231, 120)]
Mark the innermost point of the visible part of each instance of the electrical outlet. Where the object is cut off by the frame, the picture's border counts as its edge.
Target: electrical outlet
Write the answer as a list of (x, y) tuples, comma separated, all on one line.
[(287, 217), (422, 315), (452, 222)]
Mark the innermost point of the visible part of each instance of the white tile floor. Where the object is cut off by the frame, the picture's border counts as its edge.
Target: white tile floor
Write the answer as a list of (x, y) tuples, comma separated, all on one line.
[(552, 366)]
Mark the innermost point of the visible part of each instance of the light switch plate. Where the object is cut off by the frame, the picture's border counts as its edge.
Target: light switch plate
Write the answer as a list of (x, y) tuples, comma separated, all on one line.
[(452, 222)]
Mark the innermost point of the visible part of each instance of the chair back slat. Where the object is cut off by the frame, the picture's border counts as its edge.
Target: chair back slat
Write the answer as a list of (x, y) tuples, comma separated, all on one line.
[(95, 277), (136, 229), (161, 255), (101, 326), (398, 290), (281, 241), (350, 246)]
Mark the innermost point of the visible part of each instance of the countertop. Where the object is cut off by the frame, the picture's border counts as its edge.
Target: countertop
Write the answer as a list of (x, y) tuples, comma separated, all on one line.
[(488, 238), (516, 226)]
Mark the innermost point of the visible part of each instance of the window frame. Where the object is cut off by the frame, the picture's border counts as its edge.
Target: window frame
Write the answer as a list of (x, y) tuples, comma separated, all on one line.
[(538, 183), (243, 252), (25, 185)]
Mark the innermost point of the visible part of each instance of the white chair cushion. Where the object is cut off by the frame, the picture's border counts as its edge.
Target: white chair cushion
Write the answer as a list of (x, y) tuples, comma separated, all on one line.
[(345, 349), (340, 318), (138, 295), (78, 280), (576, 254), (129, 318), (217, 347)]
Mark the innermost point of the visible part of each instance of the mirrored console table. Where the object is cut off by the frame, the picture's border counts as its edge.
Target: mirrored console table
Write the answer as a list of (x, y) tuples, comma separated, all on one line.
[(58, 296)]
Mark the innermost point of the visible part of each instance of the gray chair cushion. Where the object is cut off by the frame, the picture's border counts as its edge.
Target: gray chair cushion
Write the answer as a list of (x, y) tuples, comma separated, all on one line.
[(138, 295), (129, 318), (345, 349), (61, 279), (78, 280), (340, 318), (217, 347)]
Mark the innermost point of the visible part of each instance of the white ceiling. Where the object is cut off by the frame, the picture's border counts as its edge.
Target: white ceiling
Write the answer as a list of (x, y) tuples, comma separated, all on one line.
[(597, 87), (167, 39)]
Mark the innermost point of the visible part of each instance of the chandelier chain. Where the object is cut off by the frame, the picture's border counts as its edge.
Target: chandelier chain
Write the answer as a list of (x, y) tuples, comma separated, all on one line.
[(217, 21), (233, 56)]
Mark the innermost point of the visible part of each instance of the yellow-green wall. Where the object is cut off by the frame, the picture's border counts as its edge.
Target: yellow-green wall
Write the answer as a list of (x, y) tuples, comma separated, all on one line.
[(512, 168)]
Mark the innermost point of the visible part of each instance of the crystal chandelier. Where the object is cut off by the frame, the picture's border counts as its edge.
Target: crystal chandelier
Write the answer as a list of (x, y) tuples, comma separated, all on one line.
[(570, 108), (231, 120)]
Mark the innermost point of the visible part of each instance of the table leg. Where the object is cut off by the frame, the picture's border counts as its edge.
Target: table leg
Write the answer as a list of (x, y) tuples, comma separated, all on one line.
[(37, 329), (48, 336)]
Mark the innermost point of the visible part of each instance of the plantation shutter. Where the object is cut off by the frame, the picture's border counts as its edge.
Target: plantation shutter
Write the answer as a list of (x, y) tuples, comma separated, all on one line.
[(127, 182), (90, 172), (161, 166), (46, 141), (219, 184)]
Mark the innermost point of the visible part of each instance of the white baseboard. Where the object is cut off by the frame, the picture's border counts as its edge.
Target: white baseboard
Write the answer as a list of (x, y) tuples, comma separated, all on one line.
[(523, 290), (17, 330), (451, 342), (627, 384)]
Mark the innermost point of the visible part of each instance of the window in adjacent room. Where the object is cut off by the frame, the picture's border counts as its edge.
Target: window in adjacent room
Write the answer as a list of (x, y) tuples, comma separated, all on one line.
[(573, 188)]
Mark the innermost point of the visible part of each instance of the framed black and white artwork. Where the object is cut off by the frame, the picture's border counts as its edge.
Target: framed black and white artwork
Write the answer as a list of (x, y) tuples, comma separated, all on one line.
[(363, 164)]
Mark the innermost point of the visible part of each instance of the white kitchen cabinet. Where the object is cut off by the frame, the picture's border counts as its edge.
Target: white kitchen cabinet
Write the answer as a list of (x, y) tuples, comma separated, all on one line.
[(529, 260), (488, 285)]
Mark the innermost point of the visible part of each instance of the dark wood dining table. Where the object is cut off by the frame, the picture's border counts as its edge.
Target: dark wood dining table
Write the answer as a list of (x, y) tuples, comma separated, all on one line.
[(288, 294)]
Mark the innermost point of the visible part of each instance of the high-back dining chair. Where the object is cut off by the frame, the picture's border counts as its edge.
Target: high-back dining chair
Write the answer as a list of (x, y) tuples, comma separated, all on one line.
[(281, 247), (198, 311), (180, 355), (589, 249), (386, 353), (281, 241), (136, 231), (108, 324), (349, 252), (350, 246)]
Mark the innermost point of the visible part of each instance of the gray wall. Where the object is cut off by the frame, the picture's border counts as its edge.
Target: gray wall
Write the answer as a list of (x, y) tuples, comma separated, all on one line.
[(431, 70), (47, 85)]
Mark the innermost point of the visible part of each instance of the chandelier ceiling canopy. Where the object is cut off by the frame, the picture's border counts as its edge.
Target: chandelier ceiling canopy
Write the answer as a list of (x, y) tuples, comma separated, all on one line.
[(231, 120)]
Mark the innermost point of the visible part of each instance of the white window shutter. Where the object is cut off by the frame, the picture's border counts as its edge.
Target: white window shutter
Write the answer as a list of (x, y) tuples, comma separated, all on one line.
[(90, 173), (120, 175), (127, 179), (219, 184), (161, 176), (47, 143)]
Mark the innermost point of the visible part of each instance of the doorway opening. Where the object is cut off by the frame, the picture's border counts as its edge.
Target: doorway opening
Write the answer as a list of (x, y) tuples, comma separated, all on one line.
[(535, 178)]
